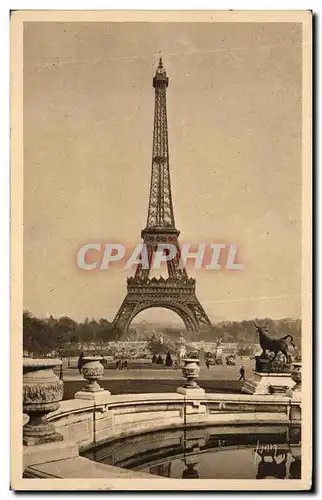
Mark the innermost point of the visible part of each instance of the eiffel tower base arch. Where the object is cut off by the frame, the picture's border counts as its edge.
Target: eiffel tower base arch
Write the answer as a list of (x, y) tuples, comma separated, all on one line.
[(160, 293)]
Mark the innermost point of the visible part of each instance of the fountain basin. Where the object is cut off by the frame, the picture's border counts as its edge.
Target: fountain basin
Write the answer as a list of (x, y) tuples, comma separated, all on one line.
[(89, 424), (220, 452)]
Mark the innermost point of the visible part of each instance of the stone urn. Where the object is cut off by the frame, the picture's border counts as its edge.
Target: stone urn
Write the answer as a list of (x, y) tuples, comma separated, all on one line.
[(296, 374), (191, 372), (42, 393), (92, 371)]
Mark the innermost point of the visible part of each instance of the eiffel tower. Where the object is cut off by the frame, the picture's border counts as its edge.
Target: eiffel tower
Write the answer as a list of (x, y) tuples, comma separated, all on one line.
[(178, 291)]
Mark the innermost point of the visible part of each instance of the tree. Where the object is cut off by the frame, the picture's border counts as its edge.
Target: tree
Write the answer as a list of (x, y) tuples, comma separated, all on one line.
[(37, 335), (85, 334), (66, 326)]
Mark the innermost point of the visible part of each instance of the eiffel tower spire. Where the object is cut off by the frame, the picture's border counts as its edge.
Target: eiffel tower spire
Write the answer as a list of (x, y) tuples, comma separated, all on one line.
[(160, 213)]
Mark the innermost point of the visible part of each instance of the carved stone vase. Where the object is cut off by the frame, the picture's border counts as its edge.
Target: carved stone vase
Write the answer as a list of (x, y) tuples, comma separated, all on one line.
[(42, 393), (191, 372), (93, 371), (296, 374)]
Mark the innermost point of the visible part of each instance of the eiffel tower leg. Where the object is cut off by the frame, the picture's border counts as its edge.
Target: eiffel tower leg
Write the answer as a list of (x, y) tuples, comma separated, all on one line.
[(200, 315), (190, 325), (124, 315)]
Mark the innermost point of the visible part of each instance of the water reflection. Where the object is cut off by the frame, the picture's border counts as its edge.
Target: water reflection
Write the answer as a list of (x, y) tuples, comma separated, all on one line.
[(190, 472), (295, 468), (272, 464), (193, 439), (280, 465), (240, 452), (163, 470), (280, 462)]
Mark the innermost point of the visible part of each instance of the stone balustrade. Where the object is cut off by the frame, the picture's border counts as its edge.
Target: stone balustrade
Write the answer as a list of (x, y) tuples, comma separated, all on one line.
[(85, 422), (129, 414)]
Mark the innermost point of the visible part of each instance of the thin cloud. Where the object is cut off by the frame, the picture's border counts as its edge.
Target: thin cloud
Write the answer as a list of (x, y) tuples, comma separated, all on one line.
[(58, 62), (252, 299)]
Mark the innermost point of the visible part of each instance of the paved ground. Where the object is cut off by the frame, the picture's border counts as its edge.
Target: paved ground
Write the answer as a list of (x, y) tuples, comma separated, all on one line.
[(148, 371), (140, 378), (143, 386)]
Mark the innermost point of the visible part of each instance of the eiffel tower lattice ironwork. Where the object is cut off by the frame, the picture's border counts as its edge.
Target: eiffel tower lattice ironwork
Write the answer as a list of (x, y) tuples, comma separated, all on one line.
[(177, 292)]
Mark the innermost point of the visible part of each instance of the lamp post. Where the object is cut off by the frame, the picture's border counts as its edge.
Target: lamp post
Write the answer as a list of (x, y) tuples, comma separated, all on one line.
[(59, 341)]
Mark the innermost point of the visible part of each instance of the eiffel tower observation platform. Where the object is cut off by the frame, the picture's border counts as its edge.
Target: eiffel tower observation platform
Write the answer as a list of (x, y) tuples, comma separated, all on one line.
[(157, 285)]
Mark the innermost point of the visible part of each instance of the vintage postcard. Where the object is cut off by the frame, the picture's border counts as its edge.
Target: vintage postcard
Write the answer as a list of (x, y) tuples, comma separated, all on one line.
[(161, 250)]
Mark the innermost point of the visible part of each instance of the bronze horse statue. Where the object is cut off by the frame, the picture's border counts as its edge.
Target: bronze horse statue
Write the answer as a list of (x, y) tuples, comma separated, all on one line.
[(274, 345)]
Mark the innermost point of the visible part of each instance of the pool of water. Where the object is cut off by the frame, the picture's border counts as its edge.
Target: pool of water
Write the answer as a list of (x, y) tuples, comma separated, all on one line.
[(240, 452)]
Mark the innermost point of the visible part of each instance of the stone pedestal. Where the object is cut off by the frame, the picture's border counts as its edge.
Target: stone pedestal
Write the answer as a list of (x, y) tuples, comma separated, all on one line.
[(268, 383), (100, 397), (191, 392)]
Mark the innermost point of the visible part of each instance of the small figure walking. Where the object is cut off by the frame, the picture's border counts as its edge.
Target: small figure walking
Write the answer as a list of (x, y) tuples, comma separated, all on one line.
[(242, 373), (207, 364), (80, 362)]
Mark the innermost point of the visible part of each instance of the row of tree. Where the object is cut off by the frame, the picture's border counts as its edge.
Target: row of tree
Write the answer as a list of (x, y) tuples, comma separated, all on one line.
[(41, 336), (243, 332)]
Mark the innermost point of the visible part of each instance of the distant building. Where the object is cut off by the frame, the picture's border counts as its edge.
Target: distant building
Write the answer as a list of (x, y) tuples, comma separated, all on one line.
[(222, 350), (206, 346), (129, 348)]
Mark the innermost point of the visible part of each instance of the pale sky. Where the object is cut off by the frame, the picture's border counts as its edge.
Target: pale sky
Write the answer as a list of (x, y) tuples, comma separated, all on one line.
[(234, 119)]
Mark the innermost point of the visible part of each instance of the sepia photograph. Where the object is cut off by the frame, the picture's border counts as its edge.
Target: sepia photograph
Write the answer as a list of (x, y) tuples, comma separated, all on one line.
[(161, 250)]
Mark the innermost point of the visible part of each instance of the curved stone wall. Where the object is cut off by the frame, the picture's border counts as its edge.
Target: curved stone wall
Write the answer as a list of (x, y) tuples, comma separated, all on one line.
[(88, 423), (55, 431), (84, 424)]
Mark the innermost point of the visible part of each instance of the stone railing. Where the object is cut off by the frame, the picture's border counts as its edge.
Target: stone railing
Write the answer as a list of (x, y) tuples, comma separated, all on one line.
[(57, 430), (130, 414)]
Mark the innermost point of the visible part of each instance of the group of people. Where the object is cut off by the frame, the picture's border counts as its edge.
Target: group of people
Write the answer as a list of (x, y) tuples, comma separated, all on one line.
[(160, 361), (241, 371), (121, 364)]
